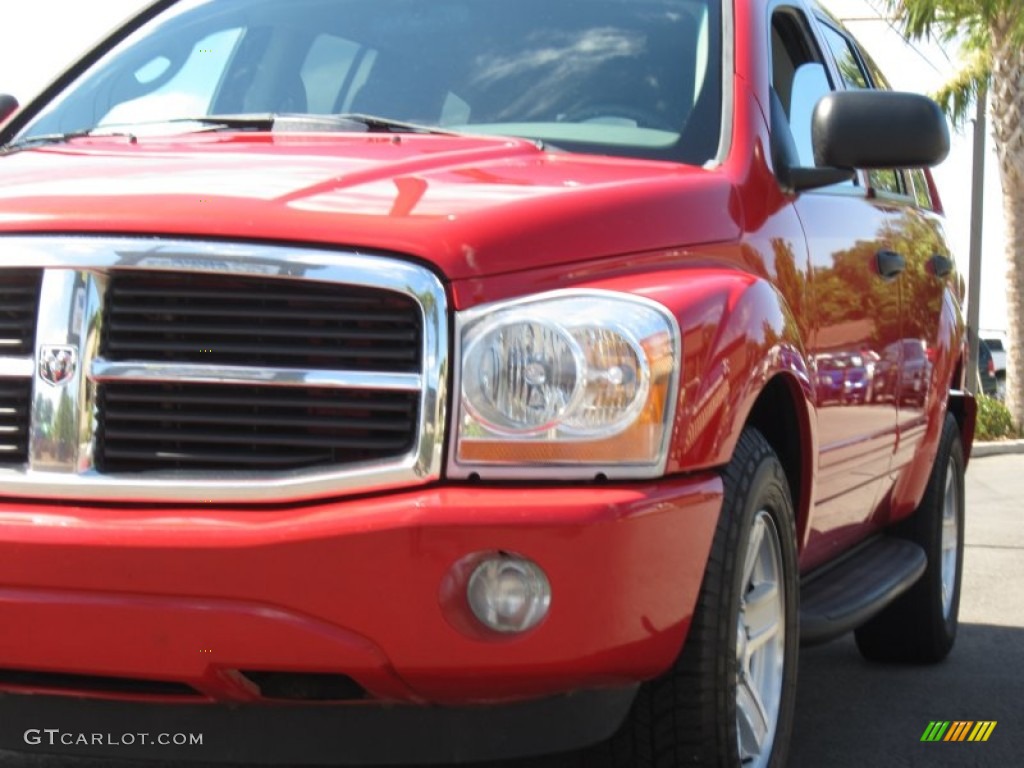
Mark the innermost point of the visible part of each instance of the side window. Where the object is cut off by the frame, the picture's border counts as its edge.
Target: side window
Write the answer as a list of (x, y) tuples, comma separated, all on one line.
[(922, 192), (888, 181), (846, 59), (810, 85), (799, 80)]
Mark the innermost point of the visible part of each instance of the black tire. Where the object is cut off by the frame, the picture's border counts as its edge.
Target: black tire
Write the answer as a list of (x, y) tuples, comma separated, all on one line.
[(919, 626), (688, 716)]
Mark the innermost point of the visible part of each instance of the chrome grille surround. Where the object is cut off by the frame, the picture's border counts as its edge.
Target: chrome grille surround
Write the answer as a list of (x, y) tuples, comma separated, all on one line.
[(64, 421)]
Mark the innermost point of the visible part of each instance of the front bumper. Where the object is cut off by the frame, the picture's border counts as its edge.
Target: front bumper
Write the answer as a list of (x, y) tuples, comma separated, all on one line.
[(197, 598), (264, 735)]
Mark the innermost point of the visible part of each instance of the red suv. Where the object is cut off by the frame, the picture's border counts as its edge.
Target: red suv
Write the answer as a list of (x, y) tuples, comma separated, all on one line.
[(394, 381)]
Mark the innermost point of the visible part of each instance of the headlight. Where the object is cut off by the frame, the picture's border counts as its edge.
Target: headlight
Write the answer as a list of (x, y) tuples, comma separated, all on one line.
[(573, 380)]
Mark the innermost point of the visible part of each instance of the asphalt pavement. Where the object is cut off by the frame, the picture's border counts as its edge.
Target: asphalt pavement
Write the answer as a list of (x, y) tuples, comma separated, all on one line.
[(851, 713)]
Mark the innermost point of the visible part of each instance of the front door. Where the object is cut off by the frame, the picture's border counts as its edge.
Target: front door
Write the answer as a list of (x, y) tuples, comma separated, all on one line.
[(855, 312)]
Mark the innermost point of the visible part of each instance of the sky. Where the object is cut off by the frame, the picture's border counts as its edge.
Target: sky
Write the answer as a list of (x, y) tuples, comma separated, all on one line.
[(38, 39)]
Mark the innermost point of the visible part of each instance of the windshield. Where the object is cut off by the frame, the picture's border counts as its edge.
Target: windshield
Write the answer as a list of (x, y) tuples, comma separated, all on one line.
[(626, 77)]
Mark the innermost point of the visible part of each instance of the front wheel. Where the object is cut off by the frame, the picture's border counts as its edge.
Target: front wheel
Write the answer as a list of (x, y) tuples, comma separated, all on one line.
[(728, 701), (920, 626)]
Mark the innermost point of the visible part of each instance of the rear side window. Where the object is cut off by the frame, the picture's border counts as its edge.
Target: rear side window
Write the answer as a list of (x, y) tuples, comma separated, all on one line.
[(850, 68), (854, 74), (922, 193)]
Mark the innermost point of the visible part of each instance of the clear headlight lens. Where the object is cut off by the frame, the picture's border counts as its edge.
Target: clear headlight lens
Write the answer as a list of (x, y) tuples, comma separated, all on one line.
[(582, 379), (522, 376)]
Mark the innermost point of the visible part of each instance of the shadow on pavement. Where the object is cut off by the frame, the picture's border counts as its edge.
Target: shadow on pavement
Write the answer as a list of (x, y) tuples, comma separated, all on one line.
[(851, 712)]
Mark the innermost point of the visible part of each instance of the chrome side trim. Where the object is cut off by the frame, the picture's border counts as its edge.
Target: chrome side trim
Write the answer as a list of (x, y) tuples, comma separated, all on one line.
[(105, 253), (106, 371), (203, 487), (71, 313)]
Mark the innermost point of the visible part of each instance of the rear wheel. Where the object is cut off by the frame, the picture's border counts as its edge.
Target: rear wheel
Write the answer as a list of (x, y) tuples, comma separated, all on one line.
[(728, 700), (920, 626)]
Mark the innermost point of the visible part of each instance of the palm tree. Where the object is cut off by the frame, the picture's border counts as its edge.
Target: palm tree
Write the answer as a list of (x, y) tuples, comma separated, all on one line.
[(992, 37)]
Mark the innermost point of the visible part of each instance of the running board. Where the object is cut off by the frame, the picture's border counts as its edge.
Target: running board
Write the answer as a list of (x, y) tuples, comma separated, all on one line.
[(843, 595)]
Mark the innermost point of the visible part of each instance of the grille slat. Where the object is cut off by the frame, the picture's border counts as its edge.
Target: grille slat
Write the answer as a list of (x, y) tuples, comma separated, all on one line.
[(276, 314), (240, 294), (189, 426), (241, 351), (220, 438), (210, 329), (279, 400), (15, 395), (230, 320), (207, 459), (19, 298), (218, 419)]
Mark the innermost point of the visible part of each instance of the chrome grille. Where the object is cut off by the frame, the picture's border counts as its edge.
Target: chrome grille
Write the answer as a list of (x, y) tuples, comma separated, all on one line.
[(15, 397), (196, 372), (185, 426), (200, 318), (19, 300)]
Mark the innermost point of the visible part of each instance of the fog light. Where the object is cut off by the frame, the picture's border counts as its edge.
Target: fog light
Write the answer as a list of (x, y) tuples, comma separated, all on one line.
[(509, 594)]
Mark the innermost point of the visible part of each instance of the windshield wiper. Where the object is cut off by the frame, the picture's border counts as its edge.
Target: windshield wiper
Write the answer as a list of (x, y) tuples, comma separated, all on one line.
[(256, 122), (261, 122), (308, 123), (376, 123), (300, 122), (44, 139)]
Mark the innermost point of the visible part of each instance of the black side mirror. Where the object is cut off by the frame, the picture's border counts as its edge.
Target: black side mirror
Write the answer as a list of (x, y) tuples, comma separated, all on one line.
[(7, 106), (879, 129)]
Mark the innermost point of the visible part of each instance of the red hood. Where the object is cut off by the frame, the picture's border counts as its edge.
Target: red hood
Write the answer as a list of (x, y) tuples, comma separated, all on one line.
[(472, 206)]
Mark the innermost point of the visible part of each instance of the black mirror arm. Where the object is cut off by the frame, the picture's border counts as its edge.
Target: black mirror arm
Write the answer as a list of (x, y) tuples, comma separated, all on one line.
[(796, 180)]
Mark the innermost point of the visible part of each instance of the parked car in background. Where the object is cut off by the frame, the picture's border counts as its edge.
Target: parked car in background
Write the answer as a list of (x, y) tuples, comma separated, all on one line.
[(830, 379), (915, 370), (390, 381), (844, 377), (996, 342), (987, 371), (886, 381)]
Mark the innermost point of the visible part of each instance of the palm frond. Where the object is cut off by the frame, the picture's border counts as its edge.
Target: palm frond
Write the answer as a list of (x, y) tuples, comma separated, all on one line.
[(954, 19), (959, 93)]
